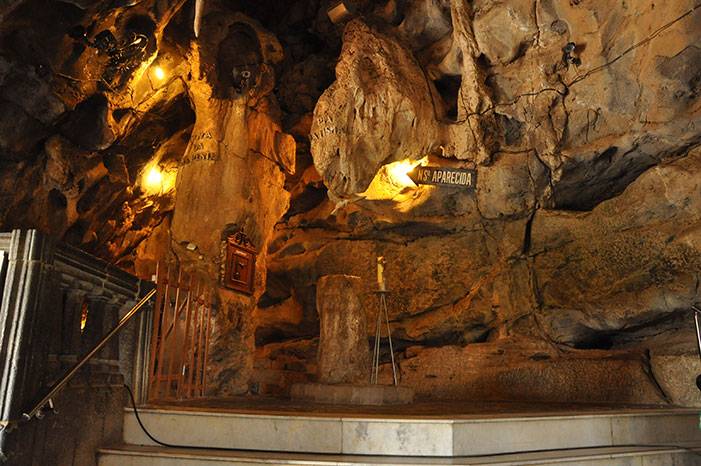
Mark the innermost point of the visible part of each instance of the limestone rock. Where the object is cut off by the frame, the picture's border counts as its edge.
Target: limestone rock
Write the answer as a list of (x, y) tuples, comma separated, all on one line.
[(27, 88), (510, 186), (487, 371), (19, 132), (233, 146), (450, 296), (582, 237), (544, 133), (425, 22), (236, 152), (614, 115), (344, 352), (636, 256), (303, 84), (91, 125), (676, 375), (504, 30), (379, 110), (280, 320), (62, 120)]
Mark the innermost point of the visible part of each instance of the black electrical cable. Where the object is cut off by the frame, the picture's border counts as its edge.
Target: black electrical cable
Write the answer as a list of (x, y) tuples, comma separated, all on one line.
[(694, 450)]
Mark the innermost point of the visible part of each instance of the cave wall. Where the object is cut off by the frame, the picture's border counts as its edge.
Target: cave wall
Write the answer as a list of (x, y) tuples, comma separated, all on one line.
[(84, 117), (567, 275), (103, 98)]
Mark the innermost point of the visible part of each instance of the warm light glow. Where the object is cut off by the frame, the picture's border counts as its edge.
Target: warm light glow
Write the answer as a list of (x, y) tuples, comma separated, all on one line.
[(398, 172), (392, 179), (168, 183), (156, 181), (83, 316), (154, 178), (159, 73)]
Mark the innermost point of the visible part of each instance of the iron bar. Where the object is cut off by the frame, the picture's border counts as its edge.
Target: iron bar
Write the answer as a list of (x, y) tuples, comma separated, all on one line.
[(389, 337), (164, 321), (186, 358), (205, 352), (157, 323), (176, 321), (194, 290), (198, 348), (376, 350), (382, 312), (179, 360)]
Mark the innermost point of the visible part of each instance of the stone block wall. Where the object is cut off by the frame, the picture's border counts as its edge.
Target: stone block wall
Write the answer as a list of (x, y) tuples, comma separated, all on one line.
[(57, 304)]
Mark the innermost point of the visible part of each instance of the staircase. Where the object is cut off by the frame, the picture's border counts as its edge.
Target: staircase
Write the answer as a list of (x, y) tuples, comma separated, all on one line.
[(630, 437)]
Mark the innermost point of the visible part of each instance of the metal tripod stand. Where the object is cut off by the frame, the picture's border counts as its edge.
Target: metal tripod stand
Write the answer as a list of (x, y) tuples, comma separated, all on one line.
[(382, 312)]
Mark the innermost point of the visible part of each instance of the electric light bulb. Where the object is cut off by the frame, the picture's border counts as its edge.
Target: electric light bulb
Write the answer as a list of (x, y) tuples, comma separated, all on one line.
[(159, 73), (399, 172), (156, 181), (153, 181), (392, 179)]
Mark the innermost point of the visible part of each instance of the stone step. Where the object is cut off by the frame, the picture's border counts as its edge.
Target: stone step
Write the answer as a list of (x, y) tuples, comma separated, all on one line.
[(618, 456), (359, 434)]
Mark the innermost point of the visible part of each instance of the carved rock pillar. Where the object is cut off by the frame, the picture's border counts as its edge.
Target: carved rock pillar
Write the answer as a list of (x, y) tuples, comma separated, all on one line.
[(231, 176), (344, 354)]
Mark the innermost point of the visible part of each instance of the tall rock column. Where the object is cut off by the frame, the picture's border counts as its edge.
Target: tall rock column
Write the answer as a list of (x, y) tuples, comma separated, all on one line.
[(231, 176)]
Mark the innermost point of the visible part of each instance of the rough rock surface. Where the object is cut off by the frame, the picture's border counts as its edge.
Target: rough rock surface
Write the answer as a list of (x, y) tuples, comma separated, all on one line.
[(231, 176), (677, 377), (80, 124), (513, 369), (636, 257), (344, 357), (598, 289), (385, 101), (579, 251)]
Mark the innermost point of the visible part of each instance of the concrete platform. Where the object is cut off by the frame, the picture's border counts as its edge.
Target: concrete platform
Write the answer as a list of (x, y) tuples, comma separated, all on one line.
[(352, 394), (612, 456), (418, 435)]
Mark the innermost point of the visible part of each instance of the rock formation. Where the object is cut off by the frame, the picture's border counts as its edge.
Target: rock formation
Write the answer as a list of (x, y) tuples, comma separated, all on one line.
[(344, 356), (231, 175), (567, 275), (578, 252)]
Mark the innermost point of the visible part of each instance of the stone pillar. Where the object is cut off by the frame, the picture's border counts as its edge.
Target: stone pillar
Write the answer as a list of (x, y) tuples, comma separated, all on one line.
[(231, 176), (344, 354)]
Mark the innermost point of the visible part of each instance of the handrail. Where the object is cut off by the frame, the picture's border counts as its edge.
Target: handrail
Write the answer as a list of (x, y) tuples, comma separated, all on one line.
[(47, 399)]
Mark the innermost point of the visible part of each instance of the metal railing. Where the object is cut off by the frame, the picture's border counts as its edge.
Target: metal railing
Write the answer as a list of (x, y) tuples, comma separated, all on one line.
[(180, 336), (38, 409)]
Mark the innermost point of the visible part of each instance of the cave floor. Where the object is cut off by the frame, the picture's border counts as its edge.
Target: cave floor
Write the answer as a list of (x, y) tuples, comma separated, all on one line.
[(419, 409)]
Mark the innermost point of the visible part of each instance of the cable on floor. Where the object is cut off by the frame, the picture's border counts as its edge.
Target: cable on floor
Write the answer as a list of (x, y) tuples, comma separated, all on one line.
[(694, 450)]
